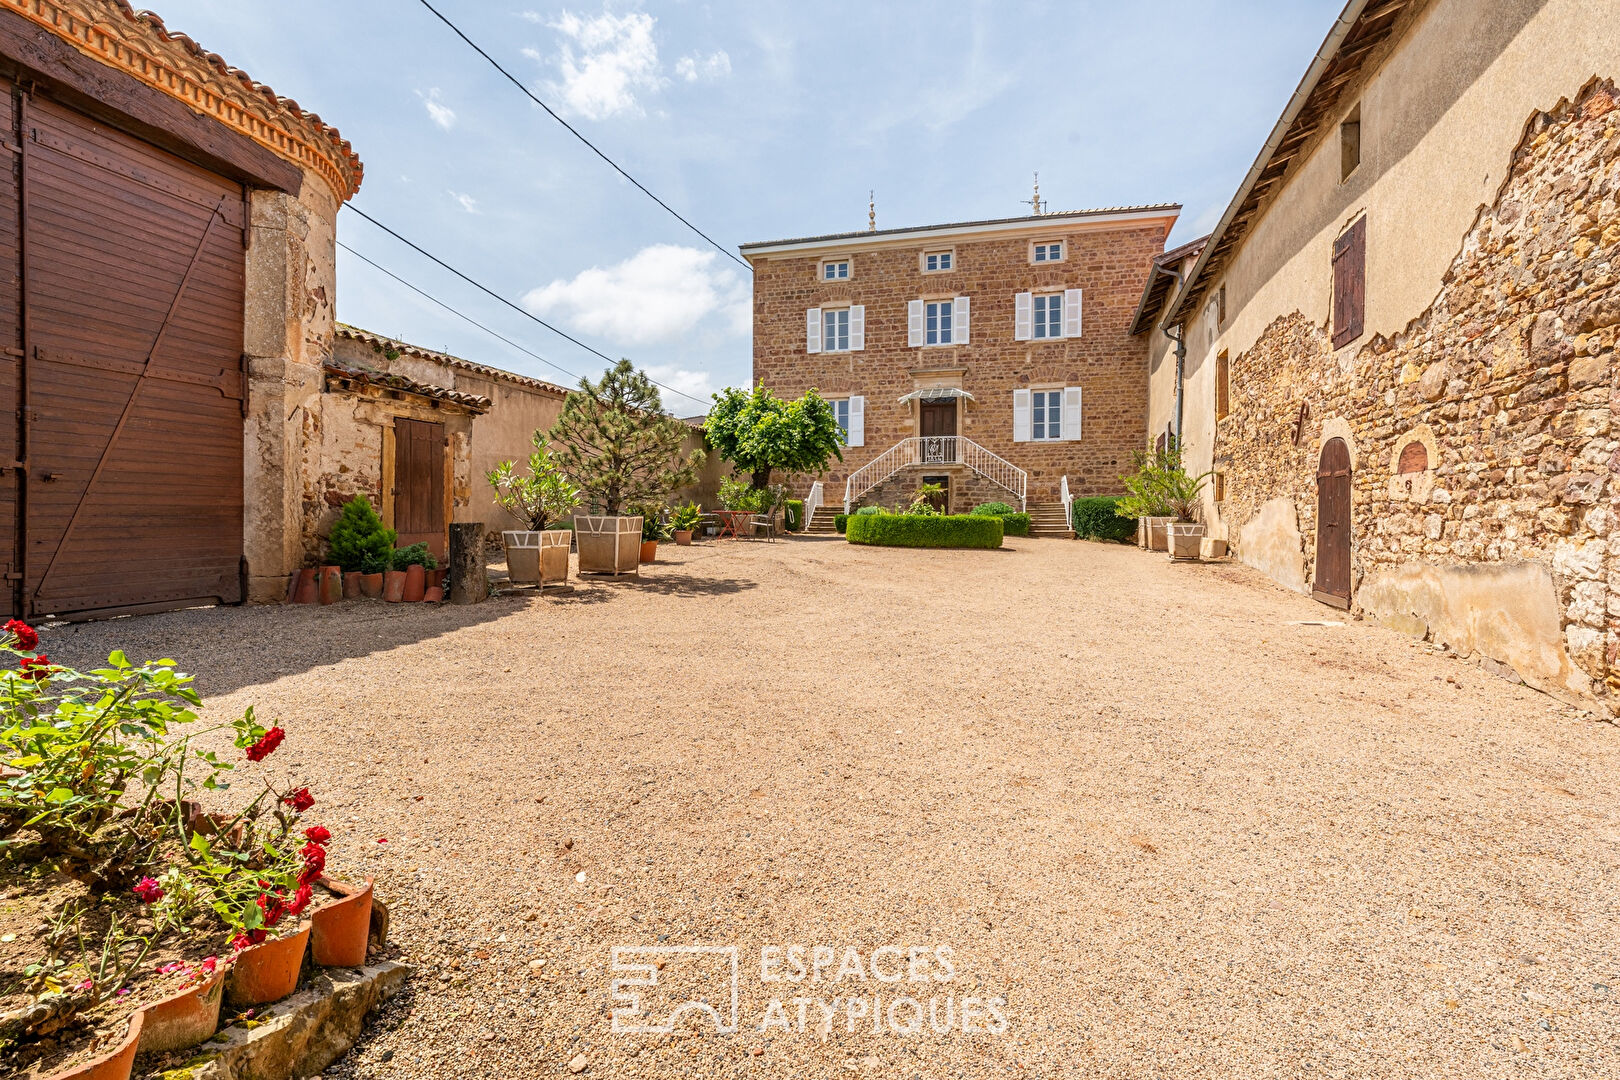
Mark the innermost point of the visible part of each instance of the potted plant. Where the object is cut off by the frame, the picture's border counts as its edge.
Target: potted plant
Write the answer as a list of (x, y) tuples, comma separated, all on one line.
[(1186, 532), (372, 569), (652, 531), (684, 521), (358, 540), (1147, 496), (415, 561), (536, 554), (620, 448)]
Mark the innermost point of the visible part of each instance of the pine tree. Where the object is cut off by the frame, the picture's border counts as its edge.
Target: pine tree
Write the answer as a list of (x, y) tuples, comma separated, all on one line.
[(357, 533), (617, 444)]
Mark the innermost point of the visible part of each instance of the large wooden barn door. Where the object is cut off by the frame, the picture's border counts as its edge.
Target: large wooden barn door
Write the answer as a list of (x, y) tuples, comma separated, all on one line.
[(419, 458), (11, 368), (132, 268), (1333, 525)]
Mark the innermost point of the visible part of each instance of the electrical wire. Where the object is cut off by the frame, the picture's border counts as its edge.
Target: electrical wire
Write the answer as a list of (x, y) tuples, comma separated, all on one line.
[(525, 312), (515, 81)]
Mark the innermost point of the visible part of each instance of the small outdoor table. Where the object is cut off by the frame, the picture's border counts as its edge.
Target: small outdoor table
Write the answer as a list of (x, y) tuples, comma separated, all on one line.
[(729, 521)]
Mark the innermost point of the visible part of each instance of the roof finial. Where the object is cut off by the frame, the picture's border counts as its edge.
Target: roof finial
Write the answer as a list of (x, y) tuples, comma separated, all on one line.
[(871, 211), (1036, 201)]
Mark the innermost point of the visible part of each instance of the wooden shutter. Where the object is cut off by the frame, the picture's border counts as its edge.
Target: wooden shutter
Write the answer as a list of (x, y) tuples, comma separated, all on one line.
[(914, 323), (959, 320), (1071, 313), (812, 330), (1021, 413), (1349, 283), (857, 421), (1222, 383), (1023, 316), (857, 327), (1071, 414)]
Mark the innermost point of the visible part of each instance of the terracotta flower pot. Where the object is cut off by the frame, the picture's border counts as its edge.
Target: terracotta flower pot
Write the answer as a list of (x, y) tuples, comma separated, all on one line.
[(184, 1019), (267, 971), (649, 551), (308, 590), (351, 586), (435, 578), (394, 586), (371, 585), (433, 594), (117, 1063), (331, 584), (415, 584), (683, 537), (342, 927)]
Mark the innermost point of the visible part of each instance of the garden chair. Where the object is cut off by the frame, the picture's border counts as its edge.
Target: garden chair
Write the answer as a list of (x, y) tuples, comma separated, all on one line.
[(764, 526)]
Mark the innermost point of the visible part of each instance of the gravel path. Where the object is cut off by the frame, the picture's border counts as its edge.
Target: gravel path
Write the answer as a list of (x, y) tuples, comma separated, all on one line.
[(1176, 829)]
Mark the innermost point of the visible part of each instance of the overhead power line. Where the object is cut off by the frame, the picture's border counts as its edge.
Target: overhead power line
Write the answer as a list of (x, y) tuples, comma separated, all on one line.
[(515, 81), (525, 312)]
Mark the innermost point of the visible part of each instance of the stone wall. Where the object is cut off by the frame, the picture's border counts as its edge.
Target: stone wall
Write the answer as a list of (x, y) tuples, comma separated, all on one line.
[(965, 488), (1109, 263), (1504, 544)]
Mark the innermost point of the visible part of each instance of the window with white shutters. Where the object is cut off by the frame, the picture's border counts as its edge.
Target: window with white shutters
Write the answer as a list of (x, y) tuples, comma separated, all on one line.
[(1023, 304), (1071, 313), (835, 330), (857, 421), (857, 327), (840, 408), (1048, 317), (914, 323), (1021, 410), (1071, 413), (959, 316), (1046, 416), (937, 322), (812, 330)]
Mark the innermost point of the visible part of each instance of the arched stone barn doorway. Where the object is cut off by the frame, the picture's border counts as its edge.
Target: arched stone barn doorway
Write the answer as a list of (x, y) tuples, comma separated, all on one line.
[(1333, 525)]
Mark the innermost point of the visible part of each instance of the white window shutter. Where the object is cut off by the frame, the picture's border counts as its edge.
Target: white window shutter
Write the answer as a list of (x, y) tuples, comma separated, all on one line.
[(1023, 322), (1071, 313), (857, 327), (1071, 414), (812, 330), (914, 323), (857, 421), (1021, 414), (959, 320)]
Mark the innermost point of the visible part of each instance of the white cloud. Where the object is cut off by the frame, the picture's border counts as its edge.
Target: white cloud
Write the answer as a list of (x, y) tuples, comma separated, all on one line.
[(658, 296), (717, 65), (467, 202), (696, 384), (531, 16), (442, 114), (605, 60)]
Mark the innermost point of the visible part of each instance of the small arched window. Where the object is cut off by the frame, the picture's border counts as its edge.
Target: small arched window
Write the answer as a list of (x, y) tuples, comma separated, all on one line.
[(1414, 458)]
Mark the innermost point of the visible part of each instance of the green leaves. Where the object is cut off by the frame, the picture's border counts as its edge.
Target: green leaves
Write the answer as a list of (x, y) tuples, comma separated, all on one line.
[(540, 498), (760, 432), (618, 446)]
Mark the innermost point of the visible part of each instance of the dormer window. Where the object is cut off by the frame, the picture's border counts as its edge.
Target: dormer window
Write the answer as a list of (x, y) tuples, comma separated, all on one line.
[(835, 270)]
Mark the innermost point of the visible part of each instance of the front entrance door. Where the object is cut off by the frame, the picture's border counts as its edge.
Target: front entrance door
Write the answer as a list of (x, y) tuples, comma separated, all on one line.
[(937, 427), (419, 516), (1333, 525)]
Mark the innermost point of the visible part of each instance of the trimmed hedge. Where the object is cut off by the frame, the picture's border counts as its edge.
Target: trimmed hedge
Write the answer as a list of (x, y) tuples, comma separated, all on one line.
[(793, 515), (993, 509), (1014, 524), (1095, 519), (839, 520), (916, 530)]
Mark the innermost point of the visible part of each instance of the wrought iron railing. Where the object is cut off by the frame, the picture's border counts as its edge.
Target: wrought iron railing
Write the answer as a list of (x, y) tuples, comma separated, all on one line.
[(936, 450), (812, 503)]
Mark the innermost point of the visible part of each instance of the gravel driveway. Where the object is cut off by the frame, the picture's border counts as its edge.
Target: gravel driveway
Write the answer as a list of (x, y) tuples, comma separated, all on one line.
[(1121, 818)]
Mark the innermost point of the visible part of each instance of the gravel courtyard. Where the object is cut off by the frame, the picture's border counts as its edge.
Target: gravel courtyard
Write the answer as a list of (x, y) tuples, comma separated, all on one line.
[(1165, 823)]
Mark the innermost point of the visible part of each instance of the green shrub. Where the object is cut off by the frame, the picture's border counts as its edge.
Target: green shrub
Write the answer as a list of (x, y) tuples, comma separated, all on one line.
[(415, 555), (795, 514), (1014, 524), (840, 521), (913, 530), (357, 533), (993, 509), (564, 526), (1097, 518), (869, 511)]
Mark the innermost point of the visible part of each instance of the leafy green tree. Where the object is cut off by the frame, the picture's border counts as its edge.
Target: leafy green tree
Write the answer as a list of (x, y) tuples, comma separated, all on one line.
[(538, 499), (760, 432), (616, 443), (357, 534)]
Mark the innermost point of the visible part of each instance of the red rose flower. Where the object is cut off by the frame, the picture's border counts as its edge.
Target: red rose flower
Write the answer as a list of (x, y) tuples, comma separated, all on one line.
[(35, 667), (27, 637), (273, 908), (148, 891), (251, 937), (300, 899), (318, 834), (267, 745), (299, 800)]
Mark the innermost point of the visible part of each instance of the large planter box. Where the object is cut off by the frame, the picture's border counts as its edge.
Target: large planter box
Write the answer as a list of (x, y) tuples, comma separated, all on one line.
[(1211, 548), (522, 555), (1158, 533), (1186, 538), (554, 547), (609, 545)]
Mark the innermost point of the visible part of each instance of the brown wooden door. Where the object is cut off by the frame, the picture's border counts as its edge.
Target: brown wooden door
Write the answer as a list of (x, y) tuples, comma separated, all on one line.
[(938, 418), (132, 285), (1333, 525), (419, 514), (11, 367)]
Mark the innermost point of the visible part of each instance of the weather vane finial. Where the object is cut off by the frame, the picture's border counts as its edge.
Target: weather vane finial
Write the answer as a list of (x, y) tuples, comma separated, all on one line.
[(1036, 201), (871, 211)]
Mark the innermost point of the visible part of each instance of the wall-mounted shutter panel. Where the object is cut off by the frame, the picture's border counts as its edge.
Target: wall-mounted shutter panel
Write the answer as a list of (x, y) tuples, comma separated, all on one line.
[(857, 327), (1072, 311), (812, 330), (1349, 284), (857, 421), (1023, 316), (959, 320), (1021, 415), (914, 323), (1071, 413)]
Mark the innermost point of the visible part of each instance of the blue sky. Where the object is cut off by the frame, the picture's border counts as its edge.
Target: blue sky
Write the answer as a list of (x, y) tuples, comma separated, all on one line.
[(757, 120)]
